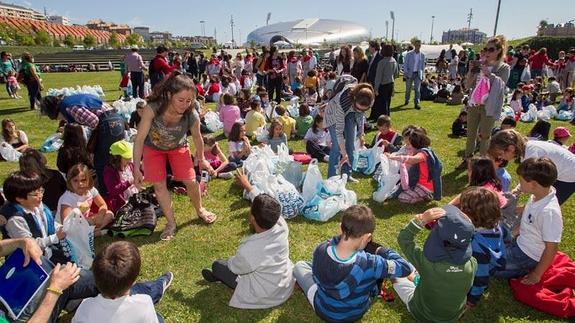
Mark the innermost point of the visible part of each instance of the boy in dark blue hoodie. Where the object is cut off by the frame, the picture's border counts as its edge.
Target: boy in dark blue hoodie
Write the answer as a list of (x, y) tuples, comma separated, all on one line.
[(345, 272)]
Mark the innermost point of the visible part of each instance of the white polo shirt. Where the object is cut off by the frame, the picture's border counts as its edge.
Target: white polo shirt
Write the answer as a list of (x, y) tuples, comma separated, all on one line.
[(563, 159), (541, 222)]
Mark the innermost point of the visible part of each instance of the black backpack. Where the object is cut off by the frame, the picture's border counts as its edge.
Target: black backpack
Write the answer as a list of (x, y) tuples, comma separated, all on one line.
[(137, 217)]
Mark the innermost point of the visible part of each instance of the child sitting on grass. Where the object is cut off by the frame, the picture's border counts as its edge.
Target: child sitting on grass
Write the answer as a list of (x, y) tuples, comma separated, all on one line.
[(219, 166), (456, 97), (239, 144), (317, 140), (459, 126), (229, 113), (119, 175), (304, 121), (276, 135), (255, 117), (445, 266), (346, 271), (532, 252), (260, 272), (287, 122), (116, 268), (391, 140)]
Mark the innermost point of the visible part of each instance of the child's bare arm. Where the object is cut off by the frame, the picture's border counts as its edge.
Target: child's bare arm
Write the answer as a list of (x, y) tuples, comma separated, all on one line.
[(546, 260)]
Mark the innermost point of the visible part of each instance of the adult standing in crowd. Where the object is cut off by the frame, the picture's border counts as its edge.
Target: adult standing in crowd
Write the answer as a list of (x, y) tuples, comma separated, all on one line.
[(30, 76), (6, 66), (360, 65), (308, 61), (162, 137), (344, 117), (482, 117), (275, 69), (344, 60), (202, 64), (192, 65), (462, 65), (387, 71), (413, 70), (570, 68), (294, 68), (159, 68), (375, 58), (135, 66), (511, 145), (539, 60), (260, 67)]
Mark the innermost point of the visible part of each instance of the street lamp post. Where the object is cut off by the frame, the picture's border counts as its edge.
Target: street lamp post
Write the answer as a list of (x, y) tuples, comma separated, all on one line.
[(392, 24), (497, 18), (386, 29), (431, 35), (203, 23)]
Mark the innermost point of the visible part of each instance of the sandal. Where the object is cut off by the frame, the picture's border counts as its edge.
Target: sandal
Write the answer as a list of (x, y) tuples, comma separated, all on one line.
[(169, 232), (207, 216)]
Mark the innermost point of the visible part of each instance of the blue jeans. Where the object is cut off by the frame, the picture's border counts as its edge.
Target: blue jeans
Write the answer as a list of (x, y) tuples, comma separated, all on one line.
[(137, 79), (415, 82), (517, 263), (349, 133)]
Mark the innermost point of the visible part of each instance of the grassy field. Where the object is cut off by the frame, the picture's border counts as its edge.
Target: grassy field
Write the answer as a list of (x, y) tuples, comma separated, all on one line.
[(196, 245)]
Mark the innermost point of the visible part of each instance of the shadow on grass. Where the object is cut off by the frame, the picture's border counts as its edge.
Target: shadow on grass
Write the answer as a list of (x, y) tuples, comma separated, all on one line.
[(13, 110), (454, 182)]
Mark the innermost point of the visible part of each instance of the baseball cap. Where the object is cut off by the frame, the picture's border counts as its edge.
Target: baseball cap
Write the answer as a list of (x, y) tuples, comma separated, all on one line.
[(561, 132), (450, 239), (121, 148)]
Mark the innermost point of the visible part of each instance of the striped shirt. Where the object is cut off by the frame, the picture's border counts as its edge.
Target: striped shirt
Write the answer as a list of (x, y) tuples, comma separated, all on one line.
[(336, 111)]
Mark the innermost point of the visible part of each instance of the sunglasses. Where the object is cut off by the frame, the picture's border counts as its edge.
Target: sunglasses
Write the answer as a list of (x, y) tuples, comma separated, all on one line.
[(489, 49)]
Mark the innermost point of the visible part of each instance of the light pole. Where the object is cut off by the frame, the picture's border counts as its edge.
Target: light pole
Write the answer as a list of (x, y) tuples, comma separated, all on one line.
[(431, 35), (203, 23), (386, 29), (496, 18), (392, 24), (232, 25)]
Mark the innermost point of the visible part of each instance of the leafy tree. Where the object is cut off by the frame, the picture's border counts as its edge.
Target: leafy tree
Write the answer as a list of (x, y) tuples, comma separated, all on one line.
[(89, 41), (42, 38), (133, 39), (413, 39), (543, 23), (69, 41), (113, 41), (56, 43), (24, 39)]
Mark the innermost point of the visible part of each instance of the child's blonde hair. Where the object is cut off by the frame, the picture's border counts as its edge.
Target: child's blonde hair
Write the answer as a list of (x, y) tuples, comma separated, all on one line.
[(77, 170)]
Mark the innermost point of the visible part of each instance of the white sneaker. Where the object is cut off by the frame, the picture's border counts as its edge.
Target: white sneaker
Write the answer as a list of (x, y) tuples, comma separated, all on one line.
[(326, 159), (352, 180)]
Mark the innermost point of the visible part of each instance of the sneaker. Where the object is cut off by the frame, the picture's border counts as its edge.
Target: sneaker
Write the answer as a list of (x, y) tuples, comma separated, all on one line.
[(166, 280), (418, 107), (352, 180), (227, 175), (209, 276)]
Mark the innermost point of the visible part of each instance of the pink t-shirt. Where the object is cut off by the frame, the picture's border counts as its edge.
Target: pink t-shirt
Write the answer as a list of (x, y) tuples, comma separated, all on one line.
[(229, 114), (502, 198)]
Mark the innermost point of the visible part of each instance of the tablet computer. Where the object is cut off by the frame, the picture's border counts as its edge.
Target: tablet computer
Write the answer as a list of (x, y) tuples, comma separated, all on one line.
[(19, 284)]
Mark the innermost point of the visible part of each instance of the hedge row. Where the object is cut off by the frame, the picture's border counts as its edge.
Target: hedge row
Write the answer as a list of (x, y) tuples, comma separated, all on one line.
[(553, 44)]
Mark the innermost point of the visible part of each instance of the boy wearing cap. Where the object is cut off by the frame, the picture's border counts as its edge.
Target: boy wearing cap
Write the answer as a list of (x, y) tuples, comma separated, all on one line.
[(541, 223), (445, 265), (560, 136), (345, 272), (119, 175)]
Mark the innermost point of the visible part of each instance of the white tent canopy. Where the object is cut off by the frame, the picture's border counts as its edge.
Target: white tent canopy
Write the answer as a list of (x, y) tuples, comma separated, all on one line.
[(430, 51)]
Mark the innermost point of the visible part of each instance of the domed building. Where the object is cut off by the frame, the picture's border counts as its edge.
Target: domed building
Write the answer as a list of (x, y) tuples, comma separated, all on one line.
[(309, 32)]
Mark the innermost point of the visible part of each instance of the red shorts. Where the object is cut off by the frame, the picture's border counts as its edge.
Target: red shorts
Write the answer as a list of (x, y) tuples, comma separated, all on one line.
[(180, 162)]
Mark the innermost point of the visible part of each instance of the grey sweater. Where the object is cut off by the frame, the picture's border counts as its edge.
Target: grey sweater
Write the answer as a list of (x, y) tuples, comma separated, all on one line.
[(498, 80), (387, 71)]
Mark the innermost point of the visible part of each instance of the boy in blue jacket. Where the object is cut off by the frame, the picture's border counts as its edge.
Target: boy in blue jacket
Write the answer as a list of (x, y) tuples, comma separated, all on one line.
[(345, 272)]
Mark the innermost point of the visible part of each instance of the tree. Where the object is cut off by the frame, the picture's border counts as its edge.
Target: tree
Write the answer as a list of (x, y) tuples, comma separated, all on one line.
[(42, 38), (69, 41), (89, 41), (113, 41), (133, 39), (543, 23), (413, 40), (23, 39)]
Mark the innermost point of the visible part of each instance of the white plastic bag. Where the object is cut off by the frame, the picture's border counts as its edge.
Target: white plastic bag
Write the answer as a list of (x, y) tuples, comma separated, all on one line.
[(388, 181), (262, 134), (213, 122), (293, 111), (330, 198), (293, 173), (80, 235), (312, 181), (530, 115), (365, 160), (52, 143), (544, 115), (9, 153), (526, 74)]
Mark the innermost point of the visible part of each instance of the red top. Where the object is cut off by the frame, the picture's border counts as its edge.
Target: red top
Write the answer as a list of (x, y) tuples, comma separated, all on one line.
[(214, 88), (160, 64), (389, 136), (538, 60), (424, 179), (200, 89)]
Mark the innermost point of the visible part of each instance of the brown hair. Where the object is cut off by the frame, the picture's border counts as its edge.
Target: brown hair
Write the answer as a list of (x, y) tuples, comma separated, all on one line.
[(280, 110), (363, 94), (541, 170), (272, 127), (5, 133), (387, 51), (418, 138), (75, 171), (303, 110), (500, 42), (116, 268), (481, 206), (115, 161), (174, 84), (228, 99), (235, 132), (356, 221), (505, 138), (384, 120)]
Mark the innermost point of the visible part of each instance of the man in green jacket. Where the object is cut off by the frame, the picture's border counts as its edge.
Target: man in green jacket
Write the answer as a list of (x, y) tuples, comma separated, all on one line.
[(445, 266)]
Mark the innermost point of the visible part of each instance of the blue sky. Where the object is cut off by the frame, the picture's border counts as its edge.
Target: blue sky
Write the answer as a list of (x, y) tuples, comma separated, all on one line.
[(413, 17)]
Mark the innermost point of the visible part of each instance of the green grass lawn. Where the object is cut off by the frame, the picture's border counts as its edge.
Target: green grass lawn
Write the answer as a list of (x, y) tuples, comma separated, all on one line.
[(196, 245)]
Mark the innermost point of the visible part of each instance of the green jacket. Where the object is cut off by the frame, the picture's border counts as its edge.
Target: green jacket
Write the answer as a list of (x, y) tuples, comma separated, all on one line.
[(442, 291)]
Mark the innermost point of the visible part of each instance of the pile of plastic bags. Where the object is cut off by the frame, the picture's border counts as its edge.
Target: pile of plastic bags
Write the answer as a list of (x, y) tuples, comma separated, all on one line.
[(213, 122), (125, 108), (84, 89)]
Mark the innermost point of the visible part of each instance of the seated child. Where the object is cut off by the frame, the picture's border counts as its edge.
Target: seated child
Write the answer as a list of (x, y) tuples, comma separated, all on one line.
[(13, 136), (287, 122), (304, 121), (560, 136), (116, 268), (481, 173), (286, 91), (255, 117), (260, 273), (346, 271), (238, 144), (527, 96), (119, 175), (229, 113), (427, 93), (459, 126), (214, 89), (540, 131), (329, 84), (276, 135), (136, 116), (317, 140), (488, 243), (311, 81), (244, 102), (311, 97), (445, 265), (219, 166), (81, 194), (456, 97), (516, 104), (390, 139), (28, 217), (199, 88), (506, 123), (296, 84), (553, 88), (567, 103), (417, 144), (532, 252)]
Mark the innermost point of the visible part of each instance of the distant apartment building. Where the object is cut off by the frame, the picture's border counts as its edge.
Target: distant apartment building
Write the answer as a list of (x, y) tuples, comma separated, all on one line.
[(15, 11), (59, 20), (160, 36), (144, 32), (463, 35), (559, 30), (99, 24)]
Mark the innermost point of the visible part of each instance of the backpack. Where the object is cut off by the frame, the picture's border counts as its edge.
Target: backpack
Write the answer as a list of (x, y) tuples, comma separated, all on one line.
[(137, 217), (435, 168)]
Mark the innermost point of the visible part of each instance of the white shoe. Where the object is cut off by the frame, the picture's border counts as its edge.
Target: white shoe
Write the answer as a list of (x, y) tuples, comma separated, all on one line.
[(352, 180)]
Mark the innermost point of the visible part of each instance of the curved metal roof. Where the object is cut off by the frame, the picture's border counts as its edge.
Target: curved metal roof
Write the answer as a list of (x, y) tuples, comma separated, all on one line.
[(310, 31)]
